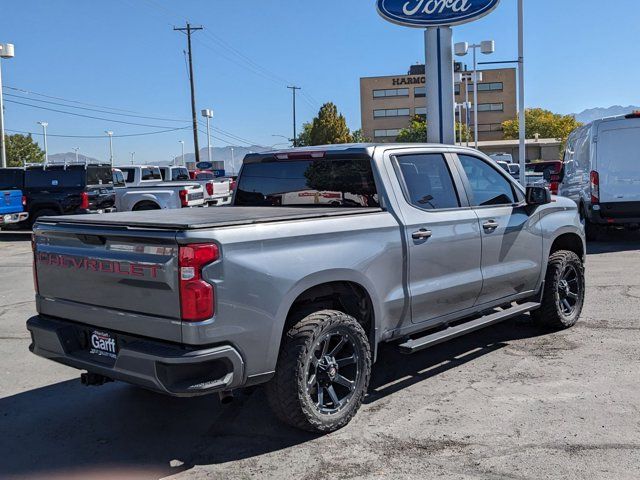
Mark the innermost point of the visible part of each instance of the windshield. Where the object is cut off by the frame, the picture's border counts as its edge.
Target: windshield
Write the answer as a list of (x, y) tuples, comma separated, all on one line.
[(308, 183)]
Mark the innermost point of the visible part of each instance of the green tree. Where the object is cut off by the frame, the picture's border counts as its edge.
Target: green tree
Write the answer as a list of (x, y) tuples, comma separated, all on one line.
[(416, 132), (543, 122), (358, 137), (304, 137), (22, 149), (329, 127)]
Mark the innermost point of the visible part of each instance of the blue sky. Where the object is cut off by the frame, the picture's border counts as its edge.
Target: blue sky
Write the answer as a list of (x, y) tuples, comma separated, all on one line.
[(123, 54)]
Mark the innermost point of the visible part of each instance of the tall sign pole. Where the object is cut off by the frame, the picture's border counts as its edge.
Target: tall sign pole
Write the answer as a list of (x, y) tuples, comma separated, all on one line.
[(437, 18), (522, 150), (439, 92), (194, 117)]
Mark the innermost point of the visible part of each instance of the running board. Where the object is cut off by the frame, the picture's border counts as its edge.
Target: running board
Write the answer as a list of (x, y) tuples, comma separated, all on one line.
[(417, 344)]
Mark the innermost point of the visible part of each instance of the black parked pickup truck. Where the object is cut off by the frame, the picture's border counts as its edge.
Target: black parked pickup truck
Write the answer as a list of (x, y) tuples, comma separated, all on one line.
[(62, 189)]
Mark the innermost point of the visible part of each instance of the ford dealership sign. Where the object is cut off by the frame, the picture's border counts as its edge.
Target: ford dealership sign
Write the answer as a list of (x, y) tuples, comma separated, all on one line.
[(432, 13)]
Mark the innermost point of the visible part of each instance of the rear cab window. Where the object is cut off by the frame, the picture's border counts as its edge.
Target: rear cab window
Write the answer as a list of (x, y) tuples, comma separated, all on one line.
[(326, 182), (98, 175)]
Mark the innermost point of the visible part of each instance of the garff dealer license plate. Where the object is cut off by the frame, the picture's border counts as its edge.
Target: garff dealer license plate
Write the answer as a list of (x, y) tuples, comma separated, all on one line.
[(102, 344)]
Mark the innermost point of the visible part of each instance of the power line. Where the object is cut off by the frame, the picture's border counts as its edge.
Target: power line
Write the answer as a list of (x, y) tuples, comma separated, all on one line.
[(65, 99), (100, 136), (85, 116), (97, 110)]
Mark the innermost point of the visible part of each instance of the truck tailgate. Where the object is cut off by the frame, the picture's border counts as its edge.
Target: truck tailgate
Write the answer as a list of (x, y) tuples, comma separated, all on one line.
[(116, 279)]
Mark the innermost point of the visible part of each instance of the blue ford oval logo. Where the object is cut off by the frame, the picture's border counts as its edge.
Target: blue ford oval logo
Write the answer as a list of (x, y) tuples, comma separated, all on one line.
[(429, 13)]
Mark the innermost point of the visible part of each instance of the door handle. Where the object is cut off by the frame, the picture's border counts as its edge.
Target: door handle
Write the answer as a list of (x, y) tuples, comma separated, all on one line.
[(490, 225), (421, 234)]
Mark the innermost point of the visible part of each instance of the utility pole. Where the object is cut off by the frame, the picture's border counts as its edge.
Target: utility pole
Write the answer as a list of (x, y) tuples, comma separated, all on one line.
[(189, 29), (181, 142), (133, 157), (76, 150), (295, 135)]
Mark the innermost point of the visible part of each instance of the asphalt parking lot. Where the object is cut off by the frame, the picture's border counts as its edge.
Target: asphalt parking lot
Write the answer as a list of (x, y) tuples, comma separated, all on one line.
[(512, 401)]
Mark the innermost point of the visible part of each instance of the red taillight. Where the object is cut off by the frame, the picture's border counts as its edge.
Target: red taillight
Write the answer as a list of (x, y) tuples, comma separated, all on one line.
[(209, 188), (33, 267), (595, 187), (184, 198), (84, 201), (554, 187), (24, 200), (232, 185), (196, 295)]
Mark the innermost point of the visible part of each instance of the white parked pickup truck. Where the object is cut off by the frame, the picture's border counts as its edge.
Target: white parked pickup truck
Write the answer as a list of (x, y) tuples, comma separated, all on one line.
[(217, 191), (141, 188)]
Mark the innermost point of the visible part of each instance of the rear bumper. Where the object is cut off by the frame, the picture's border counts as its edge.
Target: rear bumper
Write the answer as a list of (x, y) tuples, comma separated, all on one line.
[(220, 201), (160, 366), (10, 218), (99, 210), (616, 213)]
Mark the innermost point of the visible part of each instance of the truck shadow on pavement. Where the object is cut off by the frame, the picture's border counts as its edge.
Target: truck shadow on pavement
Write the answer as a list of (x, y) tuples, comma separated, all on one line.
[(66, 430), (615, 241)]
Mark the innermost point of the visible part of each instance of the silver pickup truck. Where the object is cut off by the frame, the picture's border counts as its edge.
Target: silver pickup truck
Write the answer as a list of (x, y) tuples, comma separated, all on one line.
[(410, 244)]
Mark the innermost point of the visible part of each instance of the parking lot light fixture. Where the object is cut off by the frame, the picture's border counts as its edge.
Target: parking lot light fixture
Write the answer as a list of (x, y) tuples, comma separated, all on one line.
[(487, 47)]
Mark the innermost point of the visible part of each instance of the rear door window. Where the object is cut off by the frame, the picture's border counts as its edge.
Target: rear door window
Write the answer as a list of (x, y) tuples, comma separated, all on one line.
[(129, 174), (488, 186), (428, 182)]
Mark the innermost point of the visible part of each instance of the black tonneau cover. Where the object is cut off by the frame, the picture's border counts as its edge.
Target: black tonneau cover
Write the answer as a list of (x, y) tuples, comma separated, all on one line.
[(196, 218)]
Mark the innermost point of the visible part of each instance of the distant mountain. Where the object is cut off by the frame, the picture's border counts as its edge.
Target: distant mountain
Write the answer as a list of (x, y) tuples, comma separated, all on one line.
[(222, 154), (70, 157), (592, 114)]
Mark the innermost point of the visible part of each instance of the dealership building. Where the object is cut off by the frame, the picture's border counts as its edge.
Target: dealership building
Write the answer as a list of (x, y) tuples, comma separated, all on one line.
[(387, 104)]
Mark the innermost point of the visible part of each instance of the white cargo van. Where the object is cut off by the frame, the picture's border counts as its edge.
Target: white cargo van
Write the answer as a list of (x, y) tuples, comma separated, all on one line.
[(601, 172)]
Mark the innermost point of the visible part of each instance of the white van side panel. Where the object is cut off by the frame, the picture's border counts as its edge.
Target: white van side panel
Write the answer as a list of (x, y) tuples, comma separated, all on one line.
[(618, 160)]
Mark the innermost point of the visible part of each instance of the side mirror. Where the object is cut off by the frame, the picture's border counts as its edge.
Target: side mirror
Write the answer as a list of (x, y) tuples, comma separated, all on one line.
[(538, 196)]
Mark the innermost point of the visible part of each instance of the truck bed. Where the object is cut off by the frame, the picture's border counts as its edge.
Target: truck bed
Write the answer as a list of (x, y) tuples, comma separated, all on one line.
[(199, 218)]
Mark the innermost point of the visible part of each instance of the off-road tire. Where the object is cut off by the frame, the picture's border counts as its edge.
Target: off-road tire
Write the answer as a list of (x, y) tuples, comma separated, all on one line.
[(551, 313), (287, 391)]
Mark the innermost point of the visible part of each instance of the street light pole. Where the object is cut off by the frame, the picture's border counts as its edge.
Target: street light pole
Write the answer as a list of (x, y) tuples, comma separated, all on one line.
[(110, 134), (208, 114), (181, 142), (133, 156), (6, 51), (76, 150), (461, 49), (46, 149), (233, 162), (522, 150)]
